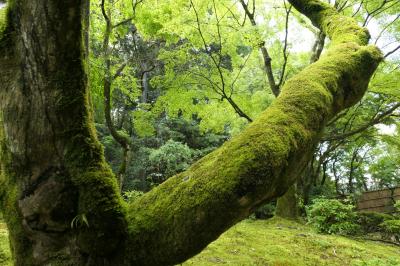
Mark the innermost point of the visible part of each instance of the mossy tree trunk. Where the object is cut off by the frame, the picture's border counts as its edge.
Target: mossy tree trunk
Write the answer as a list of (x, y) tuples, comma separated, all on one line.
[(52, 166), (287, 205), (53, 172)]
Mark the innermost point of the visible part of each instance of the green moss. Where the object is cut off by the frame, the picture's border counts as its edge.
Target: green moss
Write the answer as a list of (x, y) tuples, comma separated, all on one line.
[(5, 25), (287, 205), (264, 160), (180, 217), (233, 179), (19, 243), (83, 164), (5, 253), (99, 199), (282, 242), (3, 21), (339, 28)]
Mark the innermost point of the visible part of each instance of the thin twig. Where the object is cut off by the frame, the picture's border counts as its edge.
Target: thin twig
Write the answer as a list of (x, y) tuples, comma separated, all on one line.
[(285, 46)]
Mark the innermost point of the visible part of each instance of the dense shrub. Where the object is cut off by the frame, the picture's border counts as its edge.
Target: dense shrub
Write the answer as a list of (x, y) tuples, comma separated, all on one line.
[(171, 158), (391, 229), (132, 195), (333, 217), (370, 221), (397, 207), (266, 211)]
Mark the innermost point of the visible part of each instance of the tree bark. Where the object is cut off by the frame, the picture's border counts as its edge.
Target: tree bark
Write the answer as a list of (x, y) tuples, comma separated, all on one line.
[(53, 172), (52, 166), (275, 88), (286, 206), (318, 47), (122, 140)]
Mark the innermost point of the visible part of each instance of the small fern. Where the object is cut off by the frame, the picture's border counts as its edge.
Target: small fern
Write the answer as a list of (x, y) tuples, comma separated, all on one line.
[(79, 221)]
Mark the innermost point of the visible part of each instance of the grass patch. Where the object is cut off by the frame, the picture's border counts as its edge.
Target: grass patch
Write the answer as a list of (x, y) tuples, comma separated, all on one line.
[(278, 242)]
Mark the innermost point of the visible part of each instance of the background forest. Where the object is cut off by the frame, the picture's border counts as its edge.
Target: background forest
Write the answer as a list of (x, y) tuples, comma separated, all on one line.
[(171, 81)]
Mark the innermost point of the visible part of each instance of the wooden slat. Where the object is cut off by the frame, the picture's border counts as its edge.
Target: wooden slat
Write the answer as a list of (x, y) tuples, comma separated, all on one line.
[(376, 194), (376, 203), (379, 200), (384, 209)]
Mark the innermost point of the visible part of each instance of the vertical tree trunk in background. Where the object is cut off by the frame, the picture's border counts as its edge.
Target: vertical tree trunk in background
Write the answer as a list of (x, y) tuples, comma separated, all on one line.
[(318, 47), (275, 88), (53, 172), (353, 166), (286, 206), (121, 139)]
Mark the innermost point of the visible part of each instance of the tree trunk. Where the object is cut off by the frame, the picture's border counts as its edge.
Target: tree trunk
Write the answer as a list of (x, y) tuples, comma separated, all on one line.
[(286, 206), (318, 47), (122, 140), (52, 166), (275, 88), (60, 199)]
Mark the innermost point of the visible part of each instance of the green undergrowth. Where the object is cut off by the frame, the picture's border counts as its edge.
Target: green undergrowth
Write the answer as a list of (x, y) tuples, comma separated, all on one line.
[(278, 242)]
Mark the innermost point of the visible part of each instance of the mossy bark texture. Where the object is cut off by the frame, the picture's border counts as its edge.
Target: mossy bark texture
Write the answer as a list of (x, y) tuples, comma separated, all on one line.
[(52, 166), (287, 205), (53, 173)]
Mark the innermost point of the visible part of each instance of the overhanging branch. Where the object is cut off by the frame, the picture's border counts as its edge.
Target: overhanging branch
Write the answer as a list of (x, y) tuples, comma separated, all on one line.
[(181, 216)]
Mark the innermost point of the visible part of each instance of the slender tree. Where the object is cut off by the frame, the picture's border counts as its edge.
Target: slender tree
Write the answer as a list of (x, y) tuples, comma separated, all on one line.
[(60, 199)]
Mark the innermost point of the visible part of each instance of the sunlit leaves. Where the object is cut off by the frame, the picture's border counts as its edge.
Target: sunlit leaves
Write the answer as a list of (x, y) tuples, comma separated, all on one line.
[(143, 123)]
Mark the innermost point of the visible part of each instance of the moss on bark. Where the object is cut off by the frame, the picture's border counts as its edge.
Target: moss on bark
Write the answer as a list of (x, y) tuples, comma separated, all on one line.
[(191, 209), (48, 143), (286, 206), (181, 216)]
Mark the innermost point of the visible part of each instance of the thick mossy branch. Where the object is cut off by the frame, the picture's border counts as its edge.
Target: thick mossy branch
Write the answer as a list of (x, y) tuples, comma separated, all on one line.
[(180, 217), (339, 28)]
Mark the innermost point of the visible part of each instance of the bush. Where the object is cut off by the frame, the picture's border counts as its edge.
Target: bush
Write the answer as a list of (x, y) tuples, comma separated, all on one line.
[(132, 195), (397, 206), (391, 229), (370, 221), (266, 211), (333, 217), (171, 158)]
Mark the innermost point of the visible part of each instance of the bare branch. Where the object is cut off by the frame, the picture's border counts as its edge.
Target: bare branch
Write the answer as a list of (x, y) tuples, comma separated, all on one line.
[(237, 76), (391, 52), (381, 8), (285, 53), (267, 59), (119, 70), (376, 120), (217, 65), (358, 9), (385, 28), (103, 11)]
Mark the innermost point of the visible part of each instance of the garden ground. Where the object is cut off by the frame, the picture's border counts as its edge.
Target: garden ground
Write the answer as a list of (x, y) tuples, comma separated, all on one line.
[(277, 242)]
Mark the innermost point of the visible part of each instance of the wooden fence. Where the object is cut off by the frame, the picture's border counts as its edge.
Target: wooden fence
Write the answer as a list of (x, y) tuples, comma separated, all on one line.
[(379, 200)]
